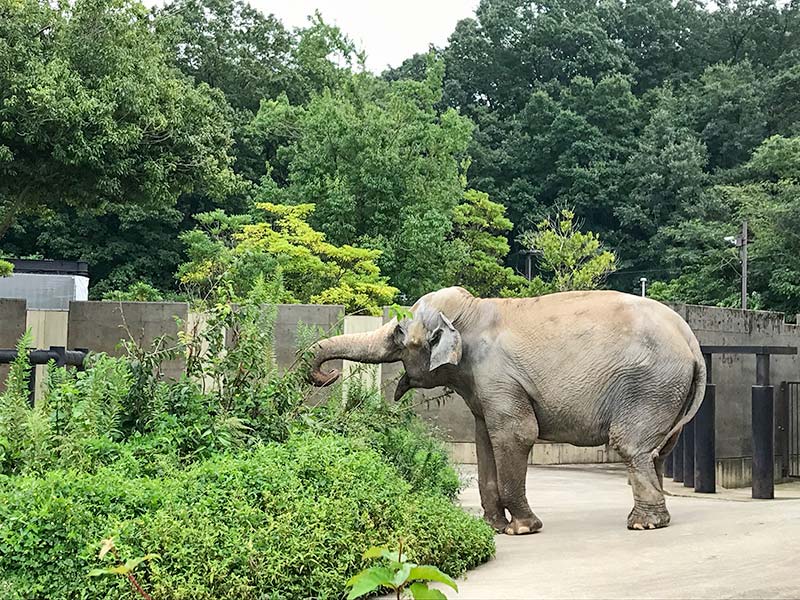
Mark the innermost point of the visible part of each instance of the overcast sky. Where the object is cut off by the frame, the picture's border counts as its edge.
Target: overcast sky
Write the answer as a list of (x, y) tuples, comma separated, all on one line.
[(389, 31)]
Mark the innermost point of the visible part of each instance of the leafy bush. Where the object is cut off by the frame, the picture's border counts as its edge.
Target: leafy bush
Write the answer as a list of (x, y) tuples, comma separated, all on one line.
[(394, 431), (227, 474), (282, 521)]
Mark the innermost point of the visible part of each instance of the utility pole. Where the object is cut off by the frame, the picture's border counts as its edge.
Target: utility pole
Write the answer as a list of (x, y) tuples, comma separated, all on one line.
[(743, 255), (643, 281)]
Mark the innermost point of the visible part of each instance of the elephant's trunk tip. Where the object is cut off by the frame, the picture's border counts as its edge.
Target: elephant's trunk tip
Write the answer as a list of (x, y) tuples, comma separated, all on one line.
[(320, 378)]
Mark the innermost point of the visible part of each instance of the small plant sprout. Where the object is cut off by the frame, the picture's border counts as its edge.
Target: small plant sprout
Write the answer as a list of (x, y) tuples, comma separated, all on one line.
[(399, 575), (125, 569)]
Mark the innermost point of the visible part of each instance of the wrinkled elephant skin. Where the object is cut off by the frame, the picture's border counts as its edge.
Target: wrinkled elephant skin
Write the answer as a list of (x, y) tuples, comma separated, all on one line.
[(584, 368)]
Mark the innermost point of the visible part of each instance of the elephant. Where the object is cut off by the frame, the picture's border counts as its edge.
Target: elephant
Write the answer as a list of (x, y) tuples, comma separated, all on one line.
[(581, 367)]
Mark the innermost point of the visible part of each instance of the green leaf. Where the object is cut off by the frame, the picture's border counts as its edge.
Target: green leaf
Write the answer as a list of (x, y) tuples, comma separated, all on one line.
[(135, 562), (368, 581), (100, 572), (420, 591), (401, 576), (429, 573)]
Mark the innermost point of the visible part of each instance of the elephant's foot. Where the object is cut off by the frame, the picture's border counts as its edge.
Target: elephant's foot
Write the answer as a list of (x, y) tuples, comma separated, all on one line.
[(496, 521), (648, 516), (523, 526)]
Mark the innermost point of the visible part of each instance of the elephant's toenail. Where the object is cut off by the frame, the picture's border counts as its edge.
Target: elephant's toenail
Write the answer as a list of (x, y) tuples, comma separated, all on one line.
[(524, 529), (638, 526)]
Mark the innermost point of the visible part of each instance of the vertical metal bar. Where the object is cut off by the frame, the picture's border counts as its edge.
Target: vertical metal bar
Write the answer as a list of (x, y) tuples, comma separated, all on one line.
[(744, 265), (795, 438), (763, 447), (677, 460), (762, 369), (688, 454), (668, 460), (782, 423), (705, 465)]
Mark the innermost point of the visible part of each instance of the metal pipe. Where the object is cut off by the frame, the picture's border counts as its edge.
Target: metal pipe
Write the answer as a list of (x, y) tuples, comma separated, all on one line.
[(677, 460), (688, 454), (763, 442), (762, 369), (705, 467)]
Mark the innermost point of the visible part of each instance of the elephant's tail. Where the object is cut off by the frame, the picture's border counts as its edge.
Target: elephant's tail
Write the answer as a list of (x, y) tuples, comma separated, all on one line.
[(694, 398)]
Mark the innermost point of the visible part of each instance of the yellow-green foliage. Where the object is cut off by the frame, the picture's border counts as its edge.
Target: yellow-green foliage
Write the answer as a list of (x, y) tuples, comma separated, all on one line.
[(573, 260), (234, 252), (6, 268)]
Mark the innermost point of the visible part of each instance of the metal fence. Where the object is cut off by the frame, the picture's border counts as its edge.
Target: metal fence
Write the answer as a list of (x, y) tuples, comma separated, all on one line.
[(693, 459), (789, 424)]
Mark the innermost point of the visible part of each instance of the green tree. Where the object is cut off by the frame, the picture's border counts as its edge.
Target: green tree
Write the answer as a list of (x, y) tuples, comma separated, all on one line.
[(567, 257), (769, 199), (92, 114), (726, 106), (479, 230), (232, 254), (383, 166)]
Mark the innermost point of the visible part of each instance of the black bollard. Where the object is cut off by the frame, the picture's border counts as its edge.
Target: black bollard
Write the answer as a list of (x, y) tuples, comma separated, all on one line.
[(677, 460), (668, 465), (705, 468), (763, 448), (688, 436)]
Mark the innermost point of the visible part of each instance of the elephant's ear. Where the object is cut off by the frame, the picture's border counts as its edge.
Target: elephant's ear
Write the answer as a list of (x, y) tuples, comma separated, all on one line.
[(445, 344)]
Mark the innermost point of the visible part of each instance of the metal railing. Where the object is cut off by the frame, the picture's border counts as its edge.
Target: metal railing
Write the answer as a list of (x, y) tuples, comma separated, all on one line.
[(60, 356), (693, 459)]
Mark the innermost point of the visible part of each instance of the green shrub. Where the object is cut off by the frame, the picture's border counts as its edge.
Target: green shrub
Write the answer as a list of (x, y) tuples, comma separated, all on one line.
[(396, 433), (281, 521)]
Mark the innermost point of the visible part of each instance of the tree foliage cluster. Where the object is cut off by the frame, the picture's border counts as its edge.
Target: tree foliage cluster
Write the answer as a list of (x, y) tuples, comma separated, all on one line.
[(659, 124)]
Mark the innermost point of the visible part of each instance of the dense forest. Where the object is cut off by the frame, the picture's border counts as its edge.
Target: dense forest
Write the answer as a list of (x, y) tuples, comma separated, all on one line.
[(166, 147)]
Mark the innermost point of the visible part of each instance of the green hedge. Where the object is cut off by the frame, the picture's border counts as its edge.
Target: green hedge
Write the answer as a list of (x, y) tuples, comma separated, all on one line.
[(283, 521)]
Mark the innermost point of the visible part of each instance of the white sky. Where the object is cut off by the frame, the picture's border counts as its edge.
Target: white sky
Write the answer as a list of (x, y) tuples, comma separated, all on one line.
[(389, 31)]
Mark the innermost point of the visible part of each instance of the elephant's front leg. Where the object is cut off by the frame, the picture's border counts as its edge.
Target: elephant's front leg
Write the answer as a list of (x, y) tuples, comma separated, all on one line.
[(494, 511), (513, 429)]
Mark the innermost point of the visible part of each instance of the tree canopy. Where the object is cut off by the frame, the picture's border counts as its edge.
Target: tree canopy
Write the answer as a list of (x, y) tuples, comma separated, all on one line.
[(661, 124)]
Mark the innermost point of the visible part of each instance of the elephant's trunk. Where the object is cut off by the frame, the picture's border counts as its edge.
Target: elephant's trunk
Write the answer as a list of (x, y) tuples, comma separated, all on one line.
[(372, 347)]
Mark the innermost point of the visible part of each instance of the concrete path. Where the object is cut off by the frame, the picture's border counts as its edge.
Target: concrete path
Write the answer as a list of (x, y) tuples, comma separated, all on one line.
[(722, 546)]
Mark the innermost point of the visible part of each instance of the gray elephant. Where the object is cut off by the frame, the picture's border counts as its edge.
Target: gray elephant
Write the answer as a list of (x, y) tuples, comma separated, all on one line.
[(583, 368)]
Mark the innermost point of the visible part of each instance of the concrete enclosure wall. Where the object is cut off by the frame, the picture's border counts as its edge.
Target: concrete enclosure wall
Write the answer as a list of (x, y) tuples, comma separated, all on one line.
[(100, 326)]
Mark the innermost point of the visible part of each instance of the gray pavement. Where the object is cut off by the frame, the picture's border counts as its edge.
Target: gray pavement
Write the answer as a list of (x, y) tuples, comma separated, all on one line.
[(720, 546)]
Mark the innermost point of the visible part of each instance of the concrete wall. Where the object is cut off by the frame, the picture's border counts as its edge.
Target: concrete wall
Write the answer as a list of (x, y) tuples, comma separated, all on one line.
[(48, 328), (102, 326), (12, 326), (368, 375)]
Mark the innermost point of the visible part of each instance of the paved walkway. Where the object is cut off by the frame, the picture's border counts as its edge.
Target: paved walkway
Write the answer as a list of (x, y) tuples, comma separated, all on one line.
[(721, 546)]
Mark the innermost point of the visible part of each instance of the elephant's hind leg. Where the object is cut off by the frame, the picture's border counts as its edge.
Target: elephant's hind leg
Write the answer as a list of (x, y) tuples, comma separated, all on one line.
[(649, 508)]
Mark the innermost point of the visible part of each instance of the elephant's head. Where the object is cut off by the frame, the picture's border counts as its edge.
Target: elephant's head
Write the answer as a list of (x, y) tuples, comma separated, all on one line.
[(426, 344)]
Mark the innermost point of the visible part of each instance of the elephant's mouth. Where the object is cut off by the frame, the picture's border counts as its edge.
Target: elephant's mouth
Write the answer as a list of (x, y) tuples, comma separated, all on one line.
[(403, 386)]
